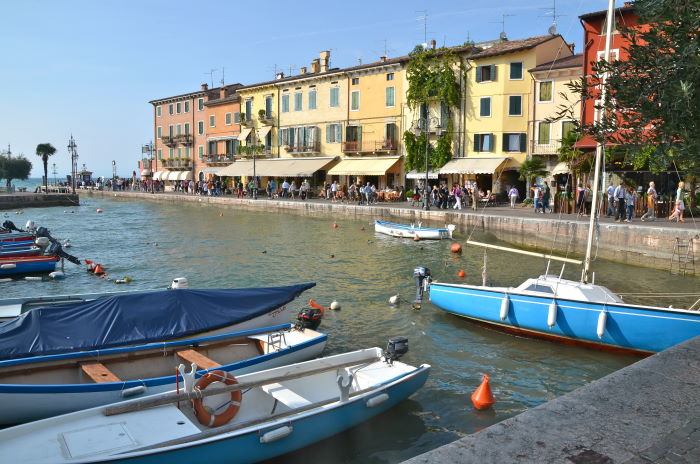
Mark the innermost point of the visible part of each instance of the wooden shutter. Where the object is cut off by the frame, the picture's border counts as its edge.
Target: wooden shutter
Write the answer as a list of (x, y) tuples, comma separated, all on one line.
[(493, 72), (506, 138), (359, 133), (476, 142), (523, 143), (338, 133), (492, 140), (478, 73)]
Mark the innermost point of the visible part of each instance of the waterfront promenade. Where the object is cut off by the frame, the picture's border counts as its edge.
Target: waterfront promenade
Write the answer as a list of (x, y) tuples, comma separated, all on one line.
[(648, 412), (647, 244)]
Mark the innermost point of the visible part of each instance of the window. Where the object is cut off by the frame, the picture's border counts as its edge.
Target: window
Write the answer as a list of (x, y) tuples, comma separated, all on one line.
[(158, 113), (485, 107), (179, 129), (160, 132), (201, 151), (543, 133), (171, 130), (285, 103), (334, 133), (614, 55), (297, 101), (178, 107), (160, 154), (171, 109), (539, 288), (390, 100), (237, 117), (187, 106), (171, 153), (486, 73), (212, 121), (355, 100), (179, 152), (483, 142), (249, 110), (334, 97), (444, 115), (312, 99), (515, 105), (200, 127), (187, 128), (355, 80), (390, 76), (567, 127), (545, 91), (187, 152), (515, 142), (200, 104), (390, 138), (516, 71), (268, 106), (227, 119), (212, 148)]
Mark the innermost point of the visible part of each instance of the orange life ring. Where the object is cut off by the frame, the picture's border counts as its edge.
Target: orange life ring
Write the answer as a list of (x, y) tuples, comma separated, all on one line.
[(211, 419)]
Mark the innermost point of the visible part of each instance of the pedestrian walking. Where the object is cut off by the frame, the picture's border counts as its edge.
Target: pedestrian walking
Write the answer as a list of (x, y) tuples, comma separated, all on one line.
[(652, 196), (546, 195), (680, 204), (630, 196), (457, 192), (619, 195), (513, 195), (610, 212), (580, 200)]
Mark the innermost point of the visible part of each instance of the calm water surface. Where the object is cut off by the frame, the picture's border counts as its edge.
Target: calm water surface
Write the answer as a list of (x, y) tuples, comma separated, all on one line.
[(152, 243)]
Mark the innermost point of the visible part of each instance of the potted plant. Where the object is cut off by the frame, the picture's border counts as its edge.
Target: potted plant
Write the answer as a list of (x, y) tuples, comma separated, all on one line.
[(262, 115)]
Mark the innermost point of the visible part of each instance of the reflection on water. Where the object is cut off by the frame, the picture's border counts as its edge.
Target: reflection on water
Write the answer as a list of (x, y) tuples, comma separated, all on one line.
[(152, 243)]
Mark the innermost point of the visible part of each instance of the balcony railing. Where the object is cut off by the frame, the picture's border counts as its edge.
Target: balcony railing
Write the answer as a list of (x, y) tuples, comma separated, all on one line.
[(314, 147), (246, 121), (145, 164), (169, 140), (184, 139), (551, 148), (370, 147), (177, 163), (265, 117), (224, 158)]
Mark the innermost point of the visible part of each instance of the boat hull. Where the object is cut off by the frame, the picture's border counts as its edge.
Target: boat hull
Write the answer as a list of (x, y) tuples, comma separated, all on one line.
[(409, 231), (626, 328), (20, 251), (27, 265)]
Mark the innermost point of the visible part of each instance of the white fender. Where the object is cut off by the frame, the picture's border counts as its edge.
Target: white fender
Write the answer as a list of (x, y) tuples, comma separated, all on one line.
[(276, 434), (133, 391), (8, 266), (602, 319), (377, 400), (552, 314), (57, 275), (35, 279), (505, 306)]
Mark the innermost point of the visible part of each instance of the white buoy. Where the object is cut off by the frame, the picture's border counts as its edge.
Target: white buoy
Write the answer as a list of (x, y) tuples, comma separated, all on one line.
[(505, 306), (8, 266), (57, 275), (602, 319), (35, 279), (179, 282), (552, 314), (335, 305), (394, 299)]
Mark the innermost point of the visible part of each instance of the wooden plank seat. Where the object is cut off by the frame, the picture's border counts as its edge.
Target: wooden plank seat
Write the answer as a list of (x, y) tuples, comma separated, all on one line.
[(98, 372), (285, 396), (202, 362)]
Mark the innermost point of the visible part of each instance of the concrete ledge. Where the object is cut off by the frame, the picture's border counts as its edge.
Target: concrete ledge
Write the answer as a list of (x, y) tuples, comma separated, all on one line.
[(37, 200), (646, 412)]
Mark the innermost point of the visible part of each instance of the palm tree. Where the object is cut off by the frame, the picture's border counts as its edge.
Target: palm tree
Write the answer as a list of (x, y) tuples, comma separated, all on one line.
[(532, 167), (45, 150)]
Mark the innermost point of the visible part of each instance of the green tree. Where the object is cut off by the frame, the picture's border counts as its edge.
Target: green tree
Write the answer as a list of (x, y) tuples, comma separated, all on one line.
[(14, 168), (530, 169), (45, 150)]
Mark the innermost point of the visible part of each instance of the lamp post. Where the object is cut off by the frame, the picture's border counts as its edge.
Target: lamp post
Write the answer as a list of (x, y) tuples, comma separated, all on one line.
[(254, 139), (74, 160), (150, 149), (424, 125)]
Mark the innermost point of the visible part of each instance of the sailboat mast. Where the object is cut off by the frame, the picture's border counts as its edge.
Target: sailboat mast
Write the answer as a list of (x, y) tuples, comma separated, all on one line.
[(599, 146)]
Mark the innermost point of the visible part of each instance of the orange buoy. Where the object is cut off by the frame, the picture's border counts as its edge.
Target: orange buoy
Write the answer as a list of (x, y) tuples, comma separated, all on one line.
[(362, 228), (416, 238), (87, 261), (221, 214), (456, 248), (335, 225), (461, 273), (98, 270), (482, 396), (99, 210)]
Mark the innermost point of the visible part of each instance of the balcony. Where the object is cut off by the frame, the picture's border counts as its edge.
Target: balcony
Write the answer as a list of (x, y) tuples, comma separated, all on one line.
[(314, 147), (177, 163), (260, 151), (370, 147), (224, 158), (551, 148), (145, 164), (169, 140), (246, 120), (264, 117), (184, 139)]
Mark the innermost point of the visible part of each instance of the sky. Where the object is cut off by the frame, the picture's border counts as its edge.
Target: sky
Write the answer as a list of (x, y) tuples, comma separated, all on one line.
[(89, 68)]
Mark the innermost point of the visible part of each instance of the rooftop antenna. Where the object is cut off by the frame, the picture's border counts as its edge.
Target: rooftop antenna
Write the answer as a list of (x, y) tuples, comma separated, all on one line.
[(223, 76), (274, 70), (291, 67), (211, 76), (502, 35), (553, 13), (424, 18)]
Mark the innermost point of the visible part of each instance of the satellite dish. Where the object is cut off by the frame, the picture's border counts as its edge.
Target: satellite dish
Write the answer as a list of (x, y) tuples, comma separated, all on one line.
[(552, 29), (503, 36)]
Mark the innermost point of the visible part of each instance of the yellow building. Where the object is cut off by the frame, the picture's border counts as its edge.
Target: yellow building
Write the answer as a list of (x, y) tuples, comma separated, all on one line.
[(259, 111)]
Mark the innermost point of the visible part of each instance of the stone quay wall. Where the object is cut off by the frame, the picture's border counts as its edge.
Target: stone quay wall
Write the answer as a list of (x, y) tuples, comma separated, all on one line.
[(37, 200)]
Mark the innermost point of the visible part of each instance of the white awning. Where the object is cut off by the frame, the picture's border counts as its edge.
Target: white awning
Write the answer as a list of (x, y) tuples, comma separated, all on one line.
[(364, 166), (145, 172), (560, 168), (184, 175), (211, 170), (421, 175), (158, 175), (264, 130), (172, 175), (222, 137), (473, 165), (244, 134), (280, 167)]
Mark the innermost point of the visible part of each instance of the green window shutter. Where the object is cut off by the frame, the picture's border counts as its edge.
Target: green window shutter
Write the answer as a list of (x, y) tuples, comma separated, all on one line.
[(476, 142), (359, 133), (523, 143), (493, 72), (505, 142), (478, 73), (329, 128), (492, 143), (338, 133)]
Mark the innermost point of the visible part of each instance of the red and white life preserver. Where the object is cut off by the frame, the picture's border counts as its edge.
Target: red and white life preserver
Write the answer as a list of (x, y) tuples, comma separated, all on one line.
[(210, 418)]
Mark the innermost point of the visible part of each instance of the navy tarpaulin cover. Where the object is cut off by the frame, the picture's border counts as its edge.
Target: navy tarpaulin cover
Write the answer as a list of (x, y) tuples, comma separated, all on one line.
[(136, 318)]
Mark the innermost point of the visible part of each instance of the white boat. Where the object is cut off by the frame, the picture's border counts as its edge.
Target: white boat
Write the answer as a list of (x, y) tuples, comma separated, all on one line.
[(413, 231), (45, 386), (274, 412)]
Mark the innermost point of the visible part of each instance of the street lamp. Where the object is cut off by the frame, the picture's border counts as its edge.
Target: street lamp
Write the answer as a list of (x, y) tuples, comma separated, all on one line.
[(150, 149), (255, 179), (74, 160), (424, 125)]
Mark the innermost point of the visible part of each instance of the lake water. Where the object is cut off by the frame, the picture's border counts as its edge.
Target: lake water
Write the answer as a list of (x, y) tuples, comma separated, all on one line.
[(152, 243)]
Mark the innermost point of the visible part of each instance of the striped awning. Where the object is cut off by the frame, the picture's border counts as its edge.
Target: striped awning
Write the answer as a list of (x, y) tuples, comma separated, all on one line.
[(145, 172), (244, 134), (158, 175), (376, 166), (473, 165), (264, 130), (279, 167), (560, 168), (184, 175)]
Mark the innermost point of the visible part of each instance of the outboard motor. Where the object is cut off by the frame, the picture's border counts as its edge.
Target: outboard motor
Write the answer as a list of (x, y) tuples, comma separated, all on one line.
[(397, 347), (179, 282), (57, 250), (9, 225), (422, 276), (30, 226), (309, 318)]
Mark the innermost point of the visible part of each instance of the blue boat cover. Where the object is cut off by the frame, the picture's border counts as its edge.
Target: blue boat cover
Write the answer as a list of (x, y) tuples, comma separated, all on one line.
[(136, 318)]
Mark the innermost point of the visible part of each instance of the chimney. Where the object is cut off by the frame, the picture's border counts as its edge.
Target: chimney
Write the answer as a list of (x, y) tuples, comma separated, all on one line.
[(572, 46), (315, 65), (205, 86), (382, 58), (325, 57), (302, 70), (433, 44), (223, 93), (279, 75)]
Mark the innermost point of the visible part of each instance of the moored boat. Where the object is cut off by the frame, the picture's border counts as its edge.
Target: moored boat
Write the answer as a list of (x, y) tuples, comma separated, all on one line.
[(273, 412), (412, 231), (45, 386), (12, 265)]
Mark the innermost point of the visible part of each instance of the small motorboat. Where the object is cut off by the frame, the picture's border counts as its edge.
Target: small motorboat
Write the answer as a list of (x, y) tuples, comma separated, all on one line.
[(136, 318), (413, 231), (247, 419), (14, 265), (45, 386), (31, 250)]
